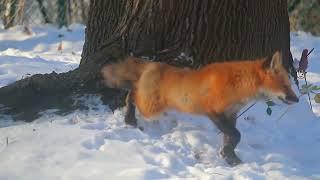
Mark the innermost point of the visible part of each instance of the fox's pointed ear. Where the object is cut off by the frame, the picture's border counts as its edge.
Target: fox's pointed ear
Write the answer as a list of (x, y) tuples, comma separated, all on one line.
[(275, 62)]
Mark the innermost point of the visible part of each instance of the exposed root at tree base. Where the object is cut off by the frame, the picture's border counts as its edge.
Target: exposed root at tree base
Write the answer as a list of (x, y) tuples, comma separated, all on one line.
[(24, 99)]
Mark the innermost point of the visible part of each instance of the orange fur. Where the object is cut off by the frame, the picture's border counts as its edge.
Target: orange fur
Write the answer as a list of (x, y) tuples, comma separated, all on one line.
[(214, 89), (217, 90)]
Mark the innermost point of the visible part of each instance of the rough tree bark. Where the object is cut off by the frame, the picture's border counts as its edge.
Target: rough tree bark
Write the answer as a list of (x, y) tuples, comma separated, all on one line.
[(208, 31)]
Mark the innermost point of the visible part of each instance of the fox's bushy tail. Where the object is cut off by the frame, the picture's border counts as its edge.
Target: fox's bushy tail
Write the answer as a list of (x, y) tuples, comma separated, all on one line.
[(122, 75)]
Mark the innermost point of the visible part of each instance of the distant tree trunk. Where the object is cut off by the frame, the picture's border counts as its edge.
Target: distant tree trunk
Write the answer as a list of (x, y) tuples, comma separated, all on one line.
[(9, 13), (304, 16), (43, 11), (208, 31), (20, 11), (84, 11), (79, 11), (69, 12), (62, 13)]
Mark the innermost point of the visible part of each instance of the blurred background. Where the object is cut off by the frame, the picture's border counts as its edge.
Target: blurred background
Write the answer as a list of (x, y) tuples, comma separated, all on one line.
[(31, 12), (304, 14)]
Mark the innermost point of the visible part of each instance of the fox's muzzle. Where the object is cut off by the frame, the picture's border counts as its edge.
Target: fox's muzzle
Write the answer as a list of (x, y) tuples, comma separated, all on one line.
[(289, 97), (292, 98)]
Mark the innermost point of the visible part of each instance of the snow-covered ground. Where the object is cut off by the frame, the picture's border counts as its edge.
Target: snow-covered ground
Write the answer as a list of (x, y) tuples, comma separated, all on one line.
[(96, 144), (22, 55)]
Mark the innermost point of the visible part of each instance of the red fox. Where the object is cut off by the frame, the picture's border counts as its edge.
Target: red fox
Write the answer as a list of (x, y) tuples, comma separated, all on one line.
[(217, 90)]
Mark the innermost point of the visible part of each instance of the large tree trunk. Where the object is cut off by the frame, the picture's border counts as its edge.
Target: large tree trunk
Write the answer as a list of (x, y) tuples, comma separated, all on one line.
[(180, 32), (207, 30)]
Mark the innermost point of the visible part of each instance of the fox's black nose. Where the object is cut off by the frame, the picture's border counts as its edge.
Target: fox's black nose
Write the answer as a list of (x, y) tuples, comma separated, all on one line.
[(292, 98)]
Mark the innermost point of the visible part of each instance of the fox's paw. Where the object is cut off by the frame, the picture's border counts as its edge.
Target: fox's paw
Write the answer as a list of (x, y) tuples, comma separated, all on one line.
[(129, 126), (232, 160), (133, 122), (130, 121), (230, 157)]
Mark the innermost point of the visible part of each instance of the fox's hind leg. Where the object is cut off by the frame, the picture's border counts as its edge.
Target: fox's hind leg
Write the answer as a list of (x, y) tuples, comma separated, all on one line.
[(130, 116), (231, 137)]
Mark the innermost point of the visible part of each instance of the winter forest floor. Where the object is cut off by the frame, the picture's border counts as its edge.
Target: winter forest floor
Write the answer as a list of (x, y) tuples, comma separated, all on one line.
[(96, 144)]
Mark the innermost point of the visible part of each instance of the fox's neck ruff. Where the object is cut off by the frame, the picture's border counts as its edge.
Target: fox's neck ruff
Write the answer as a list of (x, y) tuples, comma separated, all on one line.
[(241, 81)]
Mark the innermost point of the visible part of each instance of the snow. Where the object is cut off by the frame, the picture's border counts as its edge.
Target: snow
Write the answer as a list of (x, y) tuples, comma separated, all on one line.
[(22, 55), (96, 144)]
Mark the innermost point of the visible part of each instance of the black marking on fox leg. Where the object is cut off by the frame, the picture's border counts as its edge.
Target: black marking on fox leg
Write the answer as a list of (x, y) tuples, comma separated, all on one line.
[(130, 116), (231, 137)]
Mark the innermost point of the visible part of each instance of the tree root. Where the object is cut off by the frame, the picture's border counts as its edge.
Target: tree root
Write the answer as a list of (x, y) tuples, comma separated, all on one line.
[(24, 99)]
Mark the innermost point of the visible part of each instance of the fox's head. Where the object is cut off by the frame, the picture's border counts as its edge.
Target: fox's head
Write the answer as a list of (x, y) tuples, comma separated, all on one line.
[(275, 80), (121, 75)]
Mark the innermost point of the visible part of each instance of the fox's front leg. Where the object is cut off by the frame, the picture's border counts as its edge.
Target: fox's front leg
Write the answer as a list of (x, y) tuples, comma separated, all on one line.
[(231, 137), (130, 116)]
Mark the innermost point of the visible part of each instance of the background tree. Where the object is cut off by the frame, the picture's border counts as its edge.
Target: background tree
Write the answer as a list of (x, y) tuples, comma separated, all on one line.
[(10, 10), (305, 15), (62, 13), (43, 11), (207, 31)]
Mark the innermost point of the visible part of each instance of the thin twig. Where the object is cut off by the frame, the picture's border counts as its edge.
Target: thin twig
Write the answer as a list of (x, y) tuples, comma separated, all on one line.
[(246, 110), (305, 79), (280, 117), (310, 52)]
